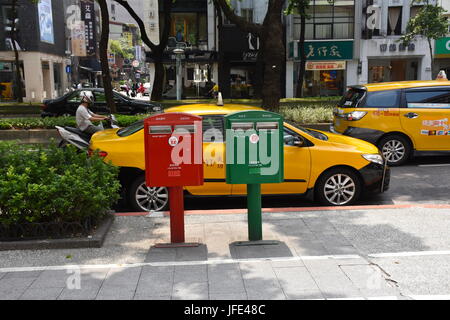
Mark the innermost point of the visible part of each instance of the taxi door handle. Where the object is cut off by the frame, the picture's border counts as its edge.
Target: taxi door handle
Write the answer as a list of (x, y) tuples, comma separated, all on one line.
[(411, 115)]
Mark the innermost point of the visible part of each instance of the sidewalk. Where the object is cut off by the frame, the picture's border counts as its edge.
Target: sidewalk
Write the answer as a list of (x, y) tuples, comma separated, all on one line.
[(364, 253)]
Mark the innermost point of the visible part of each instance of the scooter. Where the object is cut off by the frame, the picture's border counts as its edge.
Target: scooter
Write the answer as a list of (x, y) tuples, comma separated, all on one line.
[(78, 138)]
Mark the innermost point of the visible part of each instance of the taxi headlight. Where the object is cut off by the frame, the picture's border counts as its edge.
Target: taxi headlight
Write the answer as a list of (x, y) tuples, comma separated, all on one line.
[(375, 158)]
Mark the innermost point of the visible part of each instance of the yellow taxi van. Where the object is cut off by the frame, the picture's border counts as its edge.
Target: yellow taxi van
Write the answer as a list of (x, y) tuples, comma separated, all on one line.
[(398, 117)]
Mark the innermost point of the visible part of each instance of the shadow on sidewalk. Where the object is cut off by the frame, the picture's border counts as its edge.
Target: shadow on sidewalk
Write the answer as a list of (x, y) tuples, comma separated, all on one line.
[(276, 250)]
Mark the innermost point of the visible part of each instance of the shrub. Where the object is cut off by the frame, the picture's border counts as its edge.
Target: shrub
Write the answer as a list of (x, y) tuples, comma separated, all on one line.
[(53, 185)]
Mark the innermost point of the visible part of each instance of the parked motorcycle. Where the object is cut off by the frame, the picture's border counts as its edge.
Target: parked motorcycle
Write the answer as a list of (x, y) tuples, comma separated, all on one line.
[(78, 138)]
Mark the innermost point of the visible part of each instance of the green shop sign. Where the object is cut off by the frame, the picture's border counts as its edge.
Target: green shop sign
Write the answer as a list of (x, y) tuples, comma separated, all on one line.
[(323, 50), (443, 48)]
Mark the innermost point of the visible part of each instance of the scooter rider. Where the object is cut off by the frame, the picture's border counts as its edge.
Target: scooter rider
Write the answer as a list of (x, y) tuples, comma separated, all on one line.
[(85, 117)]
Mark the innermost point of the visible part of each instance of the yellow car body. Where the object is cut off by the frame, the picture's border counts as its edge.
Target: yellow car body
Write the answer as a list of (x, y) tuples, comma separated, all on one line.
[(398, 117), (304, 166)]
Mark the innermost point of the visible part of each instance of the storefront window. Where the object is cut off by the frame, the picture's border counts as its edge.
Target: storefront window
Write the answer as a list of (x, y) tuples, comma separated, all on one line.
[(328, 20), (242, 82), (189, 28), (324, 83)]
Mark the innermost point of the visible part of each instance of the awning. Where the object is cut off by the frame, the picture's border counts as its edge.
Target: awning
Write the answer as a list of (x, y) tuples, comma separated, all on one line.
[(91, 65)]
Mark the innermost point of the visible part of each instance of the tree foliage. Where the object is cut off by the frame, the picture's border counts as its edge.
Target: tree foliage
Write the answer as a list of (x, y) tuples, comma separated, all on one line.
[(429, 22)]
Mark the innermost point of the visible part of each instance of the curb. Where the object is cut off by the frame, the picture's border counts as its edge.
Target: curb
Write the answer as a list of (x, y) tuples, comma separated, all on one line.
[(30, 136), (96, 240), (292, 209)]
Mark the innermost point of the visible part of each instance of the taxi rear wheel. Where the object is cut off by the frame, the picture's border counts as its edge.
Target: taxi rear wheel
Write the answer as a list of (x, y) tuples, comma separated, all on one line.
[(338, 187), (143, 198), (396, 149)]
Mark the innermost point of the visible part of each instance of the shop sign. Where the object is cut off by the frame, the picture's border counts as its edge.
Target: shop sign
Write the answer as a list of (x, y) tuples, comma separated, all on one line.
[(250, 56), (89, 18), (329, 65), (394, 47), (443, 48), (323, 50)]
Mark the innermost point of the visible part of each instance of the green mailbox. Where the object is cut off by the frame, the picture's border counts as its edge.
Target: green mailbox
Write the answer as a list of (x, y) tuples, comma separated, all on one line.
[(254, 155)]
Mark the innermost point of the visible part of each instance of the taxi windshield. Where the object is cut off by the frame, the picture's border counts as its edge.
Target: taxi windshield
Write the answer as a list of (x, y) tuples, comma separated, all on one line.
[(131, 129), (352, 97)]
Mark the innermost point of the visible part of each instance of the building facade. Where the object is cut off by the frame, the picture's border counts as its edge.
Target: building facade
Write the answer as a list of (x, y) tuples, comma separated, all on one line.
[(355, 42), (42, 50), (329, 48), (442, 47), (241, 71), (381, 56)]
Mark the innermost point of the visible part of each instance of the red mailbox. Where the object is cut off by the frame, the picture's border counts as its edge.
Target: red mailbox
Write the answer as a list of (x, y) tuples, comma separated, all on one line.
[(174, 159)]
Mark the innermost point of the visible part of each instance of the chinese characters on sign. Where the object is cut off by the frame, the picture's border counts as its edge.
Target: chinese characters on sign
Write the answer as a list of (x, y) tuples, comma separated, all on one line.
[(323, 50), (331, 65), (88, 16), (393, 47)]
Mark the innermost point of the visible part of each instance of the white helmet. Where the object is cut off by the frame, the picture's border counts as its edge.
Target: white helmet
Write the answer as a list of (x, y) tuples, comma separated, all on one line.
[(86, 98)]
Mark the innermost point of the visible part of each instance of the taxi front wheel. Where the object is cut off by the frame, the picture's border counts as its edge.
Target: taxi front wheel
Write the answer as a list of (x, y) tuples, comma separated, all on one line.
[(143, 198), (396, 149), (338, 187)]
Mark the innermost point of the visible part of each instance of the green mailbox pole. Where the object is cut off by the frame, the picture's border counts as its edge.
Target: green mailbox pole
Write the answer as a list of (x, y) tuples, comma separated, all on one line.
[(254, 155)]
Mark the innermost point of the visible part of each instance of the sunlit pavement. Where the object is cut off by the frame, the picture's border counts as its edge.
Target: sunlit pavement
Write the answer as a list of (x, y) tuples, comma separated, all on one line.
[(368, 253)]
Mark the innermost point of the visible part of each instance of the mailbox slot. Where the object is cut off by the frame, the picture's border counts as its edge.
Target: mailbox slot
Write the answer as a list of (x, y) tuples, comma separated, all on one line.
[(160, 129), (185, 128), (242, 126), (267, 126)]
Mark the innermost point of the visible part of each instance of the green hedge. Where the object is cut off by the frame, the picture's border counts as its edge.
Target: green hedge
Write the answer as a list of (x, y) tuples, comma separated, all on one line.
[(53, 185), (51, 122), (317, 112)]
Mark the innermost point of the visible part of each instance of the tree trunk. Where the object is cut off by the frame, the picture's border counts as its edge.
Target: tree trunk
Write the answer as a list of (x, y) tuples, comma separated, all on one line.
[(430, 45), (301, 45), (158, 84), (106, 76), (274, 55), (18, 76)]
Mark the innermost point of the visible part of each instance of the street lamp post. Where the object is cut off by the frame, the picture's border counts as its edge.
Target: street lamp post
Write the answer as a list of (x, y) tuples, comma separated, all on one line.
[(178, 52)]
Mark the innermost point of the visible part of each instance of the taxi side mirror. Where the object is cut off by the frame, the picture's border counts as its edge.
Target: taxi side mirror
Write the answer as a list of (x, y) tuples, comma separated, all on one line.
[(298, 142)]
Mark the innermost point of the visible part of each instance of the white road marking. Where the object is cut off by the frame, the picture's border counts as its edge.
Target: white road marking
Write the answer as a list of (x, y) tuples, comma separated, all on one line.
[(430, 297), (435, 165), (222, 261), (410, 254), (173, 263)]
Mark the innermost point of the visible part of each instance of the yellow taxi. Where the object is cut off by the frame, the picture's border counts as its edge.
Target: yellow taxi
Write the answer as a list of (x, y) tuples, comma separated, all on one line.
[(398, 117), (336, 169)]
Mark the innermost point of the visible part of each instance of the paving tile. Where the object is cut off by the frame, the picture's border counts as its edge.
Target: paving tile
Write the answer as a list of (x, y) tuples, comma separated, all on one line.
[(11, 293), (330, 279), (124, 277), (41, 294), (186, 274), (304, 294), (115, 293), (287, 264), (20, 274), (53, 279), (190, 291), (152, 298), (272, 293), (18, 283), (155, 284), (228, 296), (225, 278), (295, 280), (79, 294)]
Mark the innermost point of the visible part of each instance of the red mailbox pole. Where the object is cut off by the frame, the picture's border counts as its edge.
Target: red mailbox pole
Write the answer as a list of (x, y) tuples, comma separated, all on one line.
[(176, 202), (174, 159)]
